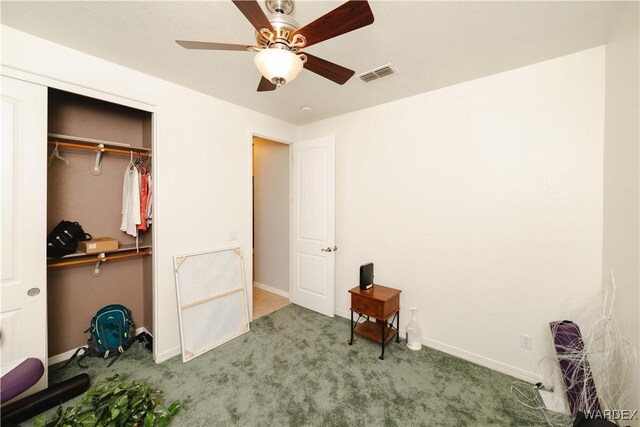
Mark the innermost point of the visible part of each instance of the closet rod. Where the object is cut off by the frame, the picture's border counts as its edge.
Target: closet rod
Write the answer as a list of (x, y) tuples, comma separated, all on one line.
[(94, 260), (103, 149)]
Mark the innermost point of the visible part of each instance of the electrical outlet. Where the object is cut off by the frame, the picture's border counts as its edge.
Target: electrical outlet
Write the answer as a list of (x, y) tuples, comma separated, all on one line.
[(525, 341)]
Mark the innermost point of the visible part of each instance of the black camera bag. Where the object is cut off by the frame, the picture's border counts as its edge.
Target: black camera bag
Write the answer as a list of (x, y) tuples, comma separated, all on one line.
[(63, 239)]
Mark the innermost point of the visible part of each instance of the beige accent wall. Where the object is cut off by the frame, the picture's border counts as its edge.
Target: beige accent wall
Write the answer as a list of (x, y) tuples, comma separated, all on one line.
[(75, 194), (75, 296), (271, 213), (77, 115)]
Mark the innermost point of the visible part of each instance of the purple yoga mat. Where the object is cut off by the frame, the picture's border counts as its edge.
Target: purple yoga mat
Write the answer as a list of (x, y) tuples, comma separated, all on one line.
[(581, 390), (20, 378)]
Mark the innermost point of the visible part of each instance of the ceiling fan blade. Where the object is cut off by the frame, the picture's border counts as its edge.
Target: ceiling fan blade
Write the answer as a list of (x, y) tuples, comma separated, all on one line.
[(213, 46), (328, 70), (253, 12), (350, 16), (265, 85)]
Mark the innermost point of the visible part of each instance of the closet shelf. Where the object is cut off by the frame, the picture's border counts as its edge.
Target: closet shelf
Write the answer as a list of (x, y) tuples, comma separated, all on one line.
[(126, 251), (96, 145)]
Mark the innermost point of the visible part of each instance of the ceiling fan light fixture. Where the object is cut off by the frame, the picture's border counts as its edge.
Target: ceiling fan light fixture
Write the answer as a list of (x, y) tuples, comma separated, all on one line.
[(279, 39), (279, 66)]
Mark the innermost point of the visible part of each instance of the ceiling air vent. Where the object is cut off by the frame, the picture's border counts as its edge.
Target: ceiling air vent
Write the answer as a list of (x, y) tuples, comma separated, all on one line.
[(378, 73)]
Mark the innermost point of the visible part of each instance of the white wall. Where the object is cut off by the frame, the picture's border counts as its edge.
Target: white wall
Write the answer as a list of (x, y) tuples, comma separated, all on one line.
[(481, 201), (622, 177), (202, 158), (271, 213)]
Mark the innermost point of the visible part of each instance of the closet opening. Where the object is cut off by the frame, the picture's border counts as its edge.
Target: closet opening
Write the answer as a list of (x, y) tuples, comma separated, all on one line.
[(93, 145), (270, 226)]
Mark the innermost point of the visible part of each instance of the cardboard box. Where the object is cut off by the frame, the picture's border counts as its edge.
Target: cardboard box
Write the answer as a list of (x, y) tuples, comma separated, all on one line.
[(96, 246)]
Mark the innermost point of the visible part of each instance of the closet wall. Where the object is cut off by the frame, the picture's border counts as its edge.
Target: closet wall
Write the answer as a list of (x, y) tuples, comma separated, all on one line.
[(95, 201)]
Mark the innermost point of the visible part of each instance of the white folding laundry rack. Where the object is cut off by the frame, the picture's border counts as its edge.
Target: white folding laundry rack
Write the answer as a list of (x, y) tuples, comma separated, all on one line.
[(212, 299)]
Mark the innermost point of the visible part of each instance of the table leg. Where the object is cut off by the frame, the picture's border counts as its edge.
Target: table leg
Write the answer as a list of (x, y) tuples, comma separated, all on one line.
[(383, 325), (351, 325), (398, 328)]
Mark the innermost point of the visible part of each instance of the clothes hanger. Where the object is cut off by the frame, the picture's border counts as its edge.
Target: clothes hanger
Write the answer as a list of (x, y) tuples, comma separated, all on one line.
[(138, 164), (132, 165), (55, 153), (142, 163)]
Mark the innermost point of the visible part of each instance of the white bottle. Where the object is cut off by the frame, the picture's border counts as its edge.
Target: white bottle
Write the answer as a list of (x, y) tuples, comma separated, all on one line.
[(414, 333)]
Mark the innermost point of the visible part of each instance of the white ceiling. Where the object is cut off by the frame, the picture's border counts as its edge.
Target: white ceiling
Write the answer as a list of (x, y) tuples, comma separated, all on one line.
[(432, 44)]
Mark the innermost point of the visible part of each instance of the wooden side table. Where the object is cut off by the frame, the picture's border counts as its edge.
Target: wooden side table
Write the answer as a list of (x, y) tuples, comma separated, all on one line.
[(380, 303)]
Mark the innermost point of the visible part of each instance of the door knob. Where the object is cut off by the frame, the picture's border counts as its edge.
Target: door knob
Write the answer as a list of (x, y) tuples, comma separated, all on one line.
[(33, 292), (329, 249)]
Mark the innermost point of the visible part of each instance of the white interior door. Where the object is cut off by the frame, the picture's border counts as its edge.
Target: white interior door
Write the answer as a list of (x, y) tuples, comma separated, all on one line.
[(23, 315), (313, 225)]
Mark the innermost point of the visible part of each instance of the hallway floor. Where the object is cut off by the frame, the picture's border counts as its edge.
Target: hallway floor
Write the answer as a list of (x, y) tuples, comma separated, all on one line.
[(265, 302)]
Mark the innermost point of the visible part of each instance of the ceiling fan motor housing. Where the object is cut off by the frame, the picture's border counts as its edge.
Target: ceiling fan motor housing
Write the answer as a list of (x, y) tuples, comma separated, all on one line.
[(283, 26), (279, 6)]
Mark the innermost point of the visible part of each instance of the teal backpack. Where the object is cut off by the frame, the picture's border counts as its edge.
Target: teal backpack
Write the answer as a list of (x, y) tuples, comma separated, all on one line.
[(110, 334)]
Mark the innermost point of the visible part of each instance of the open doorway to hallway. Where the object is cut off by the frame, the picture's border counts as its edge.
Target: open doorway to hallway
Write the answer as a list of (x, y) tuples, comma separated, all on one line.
[(270, 226)]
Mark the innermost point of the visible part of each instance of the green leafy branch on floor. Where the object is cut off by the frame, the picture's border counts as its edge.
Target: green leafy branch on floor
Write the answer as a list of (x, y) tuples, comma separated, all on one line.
[(116, 402)]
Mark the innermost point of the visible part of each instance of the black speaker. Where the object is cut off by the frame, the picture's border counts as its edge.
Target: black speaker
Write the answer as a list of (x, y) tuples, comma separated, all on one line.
[(15, 413), (366, 276)]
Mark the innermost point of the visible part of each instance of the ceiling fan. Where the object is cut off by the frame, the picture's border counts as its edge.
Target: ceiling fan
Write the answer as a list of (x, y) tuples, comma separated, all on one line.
[(279, 40)]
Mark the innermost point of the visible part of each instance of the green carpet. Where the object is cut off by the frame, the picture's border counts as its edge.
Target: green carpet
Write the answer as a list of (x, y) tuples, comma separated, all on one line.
[(295, 368)]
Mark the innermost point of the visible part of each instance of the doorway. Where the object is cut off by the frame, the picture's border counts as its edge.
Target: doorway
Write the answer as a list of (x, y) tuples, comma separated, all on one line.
[(271, 186)]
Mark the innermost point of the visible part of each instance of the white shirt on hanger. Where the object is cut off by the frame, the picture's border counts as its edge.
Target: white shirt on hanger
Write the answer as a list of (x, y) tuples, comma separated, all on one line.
[(130, 201)]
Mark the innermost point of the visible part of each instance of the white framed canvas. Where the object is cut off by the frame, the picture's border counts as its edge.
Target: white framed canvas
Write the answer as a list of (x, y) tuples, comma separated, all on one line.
[(212, 299)]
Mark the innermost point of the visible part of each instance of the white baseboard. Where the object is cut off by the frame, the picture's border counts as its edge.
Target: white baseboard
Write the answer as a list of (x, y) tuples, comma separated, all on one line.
[(343, 313), (61, 357), (272, 290), (519, 373), (67, 354), (166, 355), (467, 355)]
